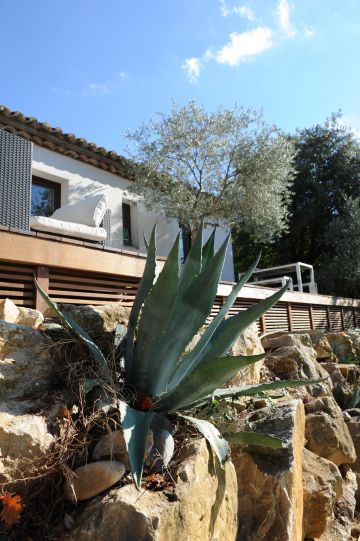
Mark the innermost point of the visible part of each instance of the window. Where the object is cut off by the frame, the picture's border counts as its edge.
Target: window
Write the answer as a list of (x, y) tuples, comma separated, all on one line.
[(126, 219), (45, 197)]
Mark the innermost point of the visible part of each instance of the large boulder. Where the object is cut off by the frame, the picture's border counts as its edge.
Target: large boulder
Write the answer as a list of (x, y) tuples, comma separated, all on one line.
[(25, 361), (326, 432), (25, 443), (339, 526), (29, 316), (270, 492), (321, 344), (99, 322), (202, 506), (248, 343), (295, 359), (9, 312), (322, 484), (353, 425)]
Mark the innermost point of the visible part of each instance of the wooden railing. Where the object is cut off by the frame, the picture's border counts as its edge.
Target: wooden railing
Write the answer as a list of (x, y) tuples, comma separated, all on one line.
[(77, 272)]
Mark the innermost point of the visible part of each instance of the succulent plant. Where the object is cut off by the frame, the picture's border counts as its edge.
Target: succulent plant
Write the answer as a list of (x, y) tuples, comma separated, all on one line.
[(168, 311)]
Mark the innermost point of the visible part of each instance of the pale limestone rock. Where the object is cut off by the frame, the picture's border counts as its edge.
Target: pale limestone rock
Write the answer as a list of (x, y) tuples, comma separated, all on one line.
[(248, 343), (322, 484), (9, 312), (25, 361), (339, 527), (203, 506), (326, 432), (29, 316), (354, 428), (296, 359), (99, 321), (322, 347), (92, 479), (112, 445), (270, 492), (24, 443), (274, 340), (342, 391)]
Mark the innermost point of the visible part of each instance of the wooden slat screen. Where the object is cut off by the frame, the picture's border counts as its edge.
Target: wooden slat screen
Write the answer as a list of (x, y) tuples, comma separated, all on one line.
[(320, 318), (300, 316), (335, 319), (349, 320), (84, 288), (17, 284), (276, 318)]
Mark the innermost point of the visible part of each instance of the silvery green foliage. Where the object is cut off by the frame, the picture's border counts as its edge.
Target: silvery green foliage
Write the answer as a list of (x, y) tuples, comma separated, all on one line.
[(228, 167)]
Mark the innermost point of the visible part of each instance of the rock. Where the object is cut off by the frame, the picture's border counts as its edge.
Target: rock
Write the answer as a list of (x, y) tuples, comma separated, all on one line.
[(162, 451), (112, 445), (24, 443), (342, 346), (322, 347), (9, 312), (99, 322), (274, 340), (354, 428), (29, 316), (322, 484), (25, 361), (89, 480), (203, 506), (351, 372), (339, 527), (248, 343), (297, 360), (327, 433), (354, 335), (342, 391), (270, 492)]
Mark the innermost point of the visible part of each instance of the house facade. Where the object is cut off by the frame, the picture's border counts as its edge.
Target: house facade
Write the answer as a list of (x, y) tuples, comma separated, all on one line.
[(66, 169)]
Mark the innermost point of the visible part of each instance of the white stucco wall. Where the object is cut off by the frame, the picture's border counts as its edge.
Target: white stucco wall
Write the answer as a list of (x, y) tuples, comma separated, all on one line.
[(79, 180)]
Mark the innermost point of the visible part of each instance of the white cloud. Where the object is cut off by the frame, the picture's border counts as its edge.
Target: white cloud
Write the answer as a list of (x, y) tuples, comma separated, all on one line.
[(192, 68), (243, 11), (283, 10), (244, 46), (108, 86), (309, 32)]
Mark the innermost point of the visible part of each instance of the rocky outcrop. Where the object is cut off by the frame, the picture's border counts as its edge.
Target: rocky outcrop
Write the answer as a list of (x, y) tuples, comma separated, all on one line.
[(270, 492), (99, 322), (25, 361), (322, 484), (203, 505), (339, 526), (326, 432), (92, 479), (248, 343), (353, 425), (24, 443), (292, 356), (321, 344)]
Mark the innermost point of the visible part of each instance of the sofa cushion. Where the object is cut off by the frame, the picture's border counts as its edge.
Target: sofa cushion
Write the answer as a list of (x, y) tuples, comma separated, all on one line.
[(88, 211), (50, 225)]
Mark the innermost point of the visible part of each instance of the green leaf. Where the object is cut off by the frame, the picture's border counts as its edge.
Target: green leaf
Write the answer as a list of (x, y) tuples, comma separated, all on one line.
[(193, 261), (252, 390), (204, 379), (254, 438), (88, 384), (189, 361), (79, 332), (145, 286), (211, 433), (154, 318), (229, 329), (135, 425), (208, 249), (189, 313)]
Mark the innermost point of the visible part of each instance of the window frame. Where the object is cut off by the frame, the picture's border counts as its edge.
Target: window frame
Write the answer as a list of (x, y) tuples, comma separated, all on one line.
[(45, 183)]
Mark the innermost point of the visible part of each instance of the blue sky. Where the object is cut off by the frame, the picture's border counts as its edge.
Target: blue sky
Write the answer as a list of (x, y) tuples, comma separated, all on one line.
[(97, 69)]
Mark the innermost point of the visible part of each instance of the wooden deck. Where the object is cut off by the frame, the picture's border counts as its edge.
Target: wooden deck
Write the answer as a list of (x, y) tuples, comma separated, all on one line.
[(78, 272)]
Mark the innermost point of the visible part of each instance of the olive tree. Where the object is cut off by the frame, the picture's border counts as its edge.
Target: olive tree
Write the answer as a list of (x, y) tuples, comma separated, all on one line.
[(226, 168)]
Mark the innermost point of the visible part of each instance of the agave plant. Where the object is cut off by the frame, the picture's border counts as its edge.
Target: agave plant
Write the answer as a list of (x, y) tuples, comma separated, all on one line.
[(168, 311)]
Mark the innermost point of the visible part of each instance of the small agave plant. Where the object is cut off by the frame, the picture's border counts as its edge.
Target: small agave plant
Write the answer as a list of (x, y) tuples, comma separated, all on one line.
[(168, 311)]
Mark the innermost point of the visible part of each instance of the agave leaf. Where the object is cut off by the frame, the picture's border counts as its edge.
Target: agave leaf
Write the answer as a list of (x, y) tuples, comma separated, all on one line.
[(78, 331), (254, 438), (208, 250), (191, 360), (146, 242), (135, 425), (192, 265), (211, 433), (145, 286), (229, 329), (252, 390), (189, 313), (154, 318), (88, 384), (204, 379)]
